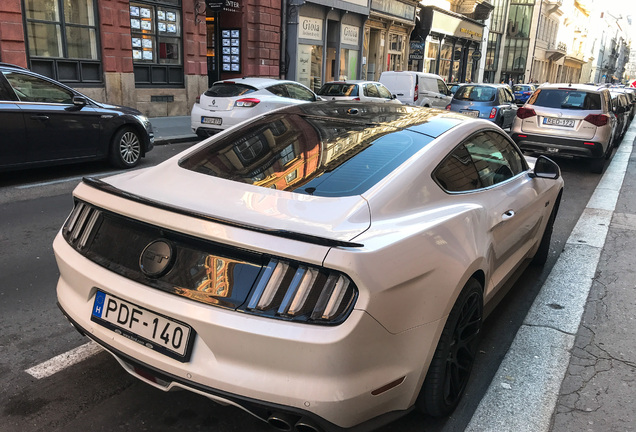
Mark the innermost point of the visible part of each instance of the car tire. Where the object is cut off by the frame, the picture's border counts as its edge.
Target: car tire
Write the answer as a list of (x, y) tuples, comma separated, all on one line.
[(125, 150), (455, 354), (541, 256)]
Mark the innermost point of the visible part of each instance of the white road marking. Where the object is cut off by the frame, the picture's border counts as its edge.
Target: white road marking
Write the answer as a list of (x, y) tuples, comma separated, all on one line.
[(65, 180), (62, 361)]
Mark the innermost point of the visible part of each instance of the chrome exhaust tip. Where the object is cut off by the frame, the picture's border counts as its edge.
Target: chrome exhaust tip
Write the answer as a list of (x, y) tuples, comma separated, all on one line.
[(306, 425), (282, 421)]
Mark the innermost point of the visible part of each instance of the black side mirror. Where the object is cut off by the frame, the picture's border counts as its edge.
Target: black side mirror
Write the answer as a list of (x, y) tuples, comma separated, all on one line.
[(546, 168), (79, 101)]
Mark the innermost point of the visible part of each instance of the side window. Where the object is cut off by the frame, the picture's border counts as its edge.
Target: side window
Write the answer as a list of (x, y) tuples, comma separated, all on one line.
[(371, 90), (383, 91), (442, 88), (495, 158), (279, 90), (5, 94), (299, 92), (511, 97), (457, 173), (32, 89)]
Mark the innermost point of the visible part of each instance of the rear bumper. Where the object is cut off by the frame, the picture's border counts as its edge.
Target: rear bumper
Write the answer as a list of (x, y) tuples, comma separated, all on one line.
[(559, 146), (262, 410)]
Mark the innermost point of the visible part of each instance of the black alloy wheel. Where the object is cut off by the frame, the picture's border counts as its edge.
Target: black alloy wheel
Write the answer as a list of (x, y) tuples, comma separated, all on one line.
[(454, 356), (126, 148)]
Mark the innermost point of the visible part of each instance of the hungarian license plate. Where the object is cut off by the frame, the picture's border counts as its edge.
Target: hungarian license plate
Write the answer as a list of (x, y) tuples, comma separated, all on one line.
[(471, 113), (154, 331), (558, 122), (211, 120)]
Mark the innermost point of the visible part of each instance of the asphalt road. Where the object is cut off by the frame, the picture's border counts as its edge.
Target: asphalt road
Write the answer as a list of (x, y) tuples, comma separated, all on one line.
[(96, 394)]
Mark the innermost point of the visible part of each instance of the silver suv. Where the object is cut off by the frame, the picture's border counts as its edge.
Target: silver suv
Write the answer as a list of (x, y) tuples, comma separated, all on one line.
[(570, 120)]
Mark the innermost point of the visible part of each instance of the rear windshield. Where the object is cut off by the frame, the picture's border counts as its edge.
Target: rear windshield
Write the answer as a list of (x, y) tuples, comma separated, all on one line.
[(567, 99), (519, 88), (309, 154), (476, 93), (229, 90), (338, 90)]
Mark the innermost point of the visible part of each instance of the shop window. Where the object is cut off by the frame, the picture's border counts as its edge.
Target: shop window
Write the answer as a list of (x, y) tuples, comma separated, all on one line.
[(155, 27), (396, 52), (310, 66), (62, 40), (430, 62), (348, 64)]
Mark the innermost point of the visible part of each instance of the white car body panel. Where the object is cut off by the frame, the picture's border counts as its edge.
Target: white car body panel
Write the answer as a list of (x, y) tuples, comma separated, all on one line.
[(417, 247)]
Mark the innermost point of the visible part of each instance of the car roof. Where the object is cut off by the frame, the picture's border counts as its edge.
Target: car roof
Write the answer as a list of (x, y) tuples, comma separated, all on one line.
[(352, 82), (570, 86), (12, 66), (255, 82)]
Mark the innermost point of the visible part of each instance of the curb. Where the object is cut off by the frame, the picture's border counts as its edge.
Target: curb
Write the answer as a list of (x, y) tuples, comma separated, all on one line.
[(523, 393), (175, 139)]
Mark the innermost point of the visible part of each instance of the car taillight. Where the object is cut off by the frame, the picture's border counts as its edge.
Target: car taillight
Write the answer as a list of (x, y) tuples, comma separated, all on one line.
[(356, 99), (247, 102), (448, 107), (493, 113), (417, 92), (525, 113), (302, 292), (198, 100), (527, 93), (597, 119)]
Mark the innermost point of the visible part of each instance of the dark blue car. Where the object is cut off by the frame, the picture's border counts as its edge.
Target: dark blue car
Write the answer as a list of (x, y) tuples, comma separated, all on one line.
[(523, 92)]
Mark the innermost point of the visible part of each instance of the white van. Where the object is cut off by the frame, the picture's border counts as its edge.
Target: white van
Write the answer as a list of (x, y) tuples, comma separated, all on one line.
[(417, 88)]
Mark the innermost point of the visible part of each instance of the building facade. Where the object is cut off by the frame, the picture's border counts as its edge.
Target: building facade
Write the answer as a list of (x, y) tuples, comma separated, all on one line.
[(451, 44), (154, 55), (323, 41)]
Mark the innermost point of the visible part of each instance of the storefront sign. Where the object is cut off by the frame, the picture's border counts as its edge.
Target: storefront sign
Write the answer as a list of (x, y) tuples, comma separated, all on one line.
[(349, 35), (225, 5), (396, 8), (358, 2), (477, 55), (416, 51), (310, 28), (450, 25)]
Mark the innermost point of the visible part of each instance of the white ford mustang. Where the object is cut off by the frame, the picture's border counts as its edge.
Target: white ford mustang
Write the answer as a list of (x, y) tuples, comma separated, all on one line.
[(324, 266)]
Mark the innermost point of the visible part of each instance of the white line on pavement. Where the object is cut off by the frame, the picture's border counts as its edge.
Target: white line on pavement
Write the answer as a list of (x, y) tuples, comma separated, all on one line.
[(62, 361), (64, 180)]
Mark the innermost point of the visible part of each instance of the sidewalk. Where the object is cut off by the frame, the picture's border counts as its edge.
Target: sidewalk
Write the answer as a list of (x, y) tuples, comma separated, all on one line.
[(571, 365), (169, 130)]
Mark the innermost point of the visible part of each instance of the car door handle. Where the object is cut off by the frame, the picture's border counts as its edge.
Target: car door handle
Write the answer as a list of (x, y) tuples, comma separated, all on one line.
[(40, 117), (508, 215)]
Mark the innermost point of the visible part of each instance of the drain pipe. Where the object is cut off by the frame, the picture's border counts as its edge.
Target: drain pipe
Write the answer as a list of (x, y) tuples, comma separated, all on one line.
[(282, 61)]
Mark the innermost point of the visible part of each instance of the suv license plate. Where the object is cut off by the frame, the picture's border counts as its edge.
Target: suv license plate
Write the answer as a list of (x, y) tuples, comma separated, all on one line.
[(558, 122), (212, 120), (154, 331)]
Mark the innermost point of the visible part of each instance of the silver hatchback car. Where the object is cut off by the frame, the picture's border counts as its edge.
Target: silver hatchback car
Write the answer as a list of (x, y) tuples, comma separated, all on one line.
[(568, 120)]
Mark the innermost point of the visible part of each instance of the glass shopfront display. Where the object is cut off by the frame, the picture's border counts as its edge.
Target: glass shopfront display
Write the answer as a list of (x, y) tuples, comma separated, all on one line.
[(349, 64), (430, 63), (310, 66), (446, 56)]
